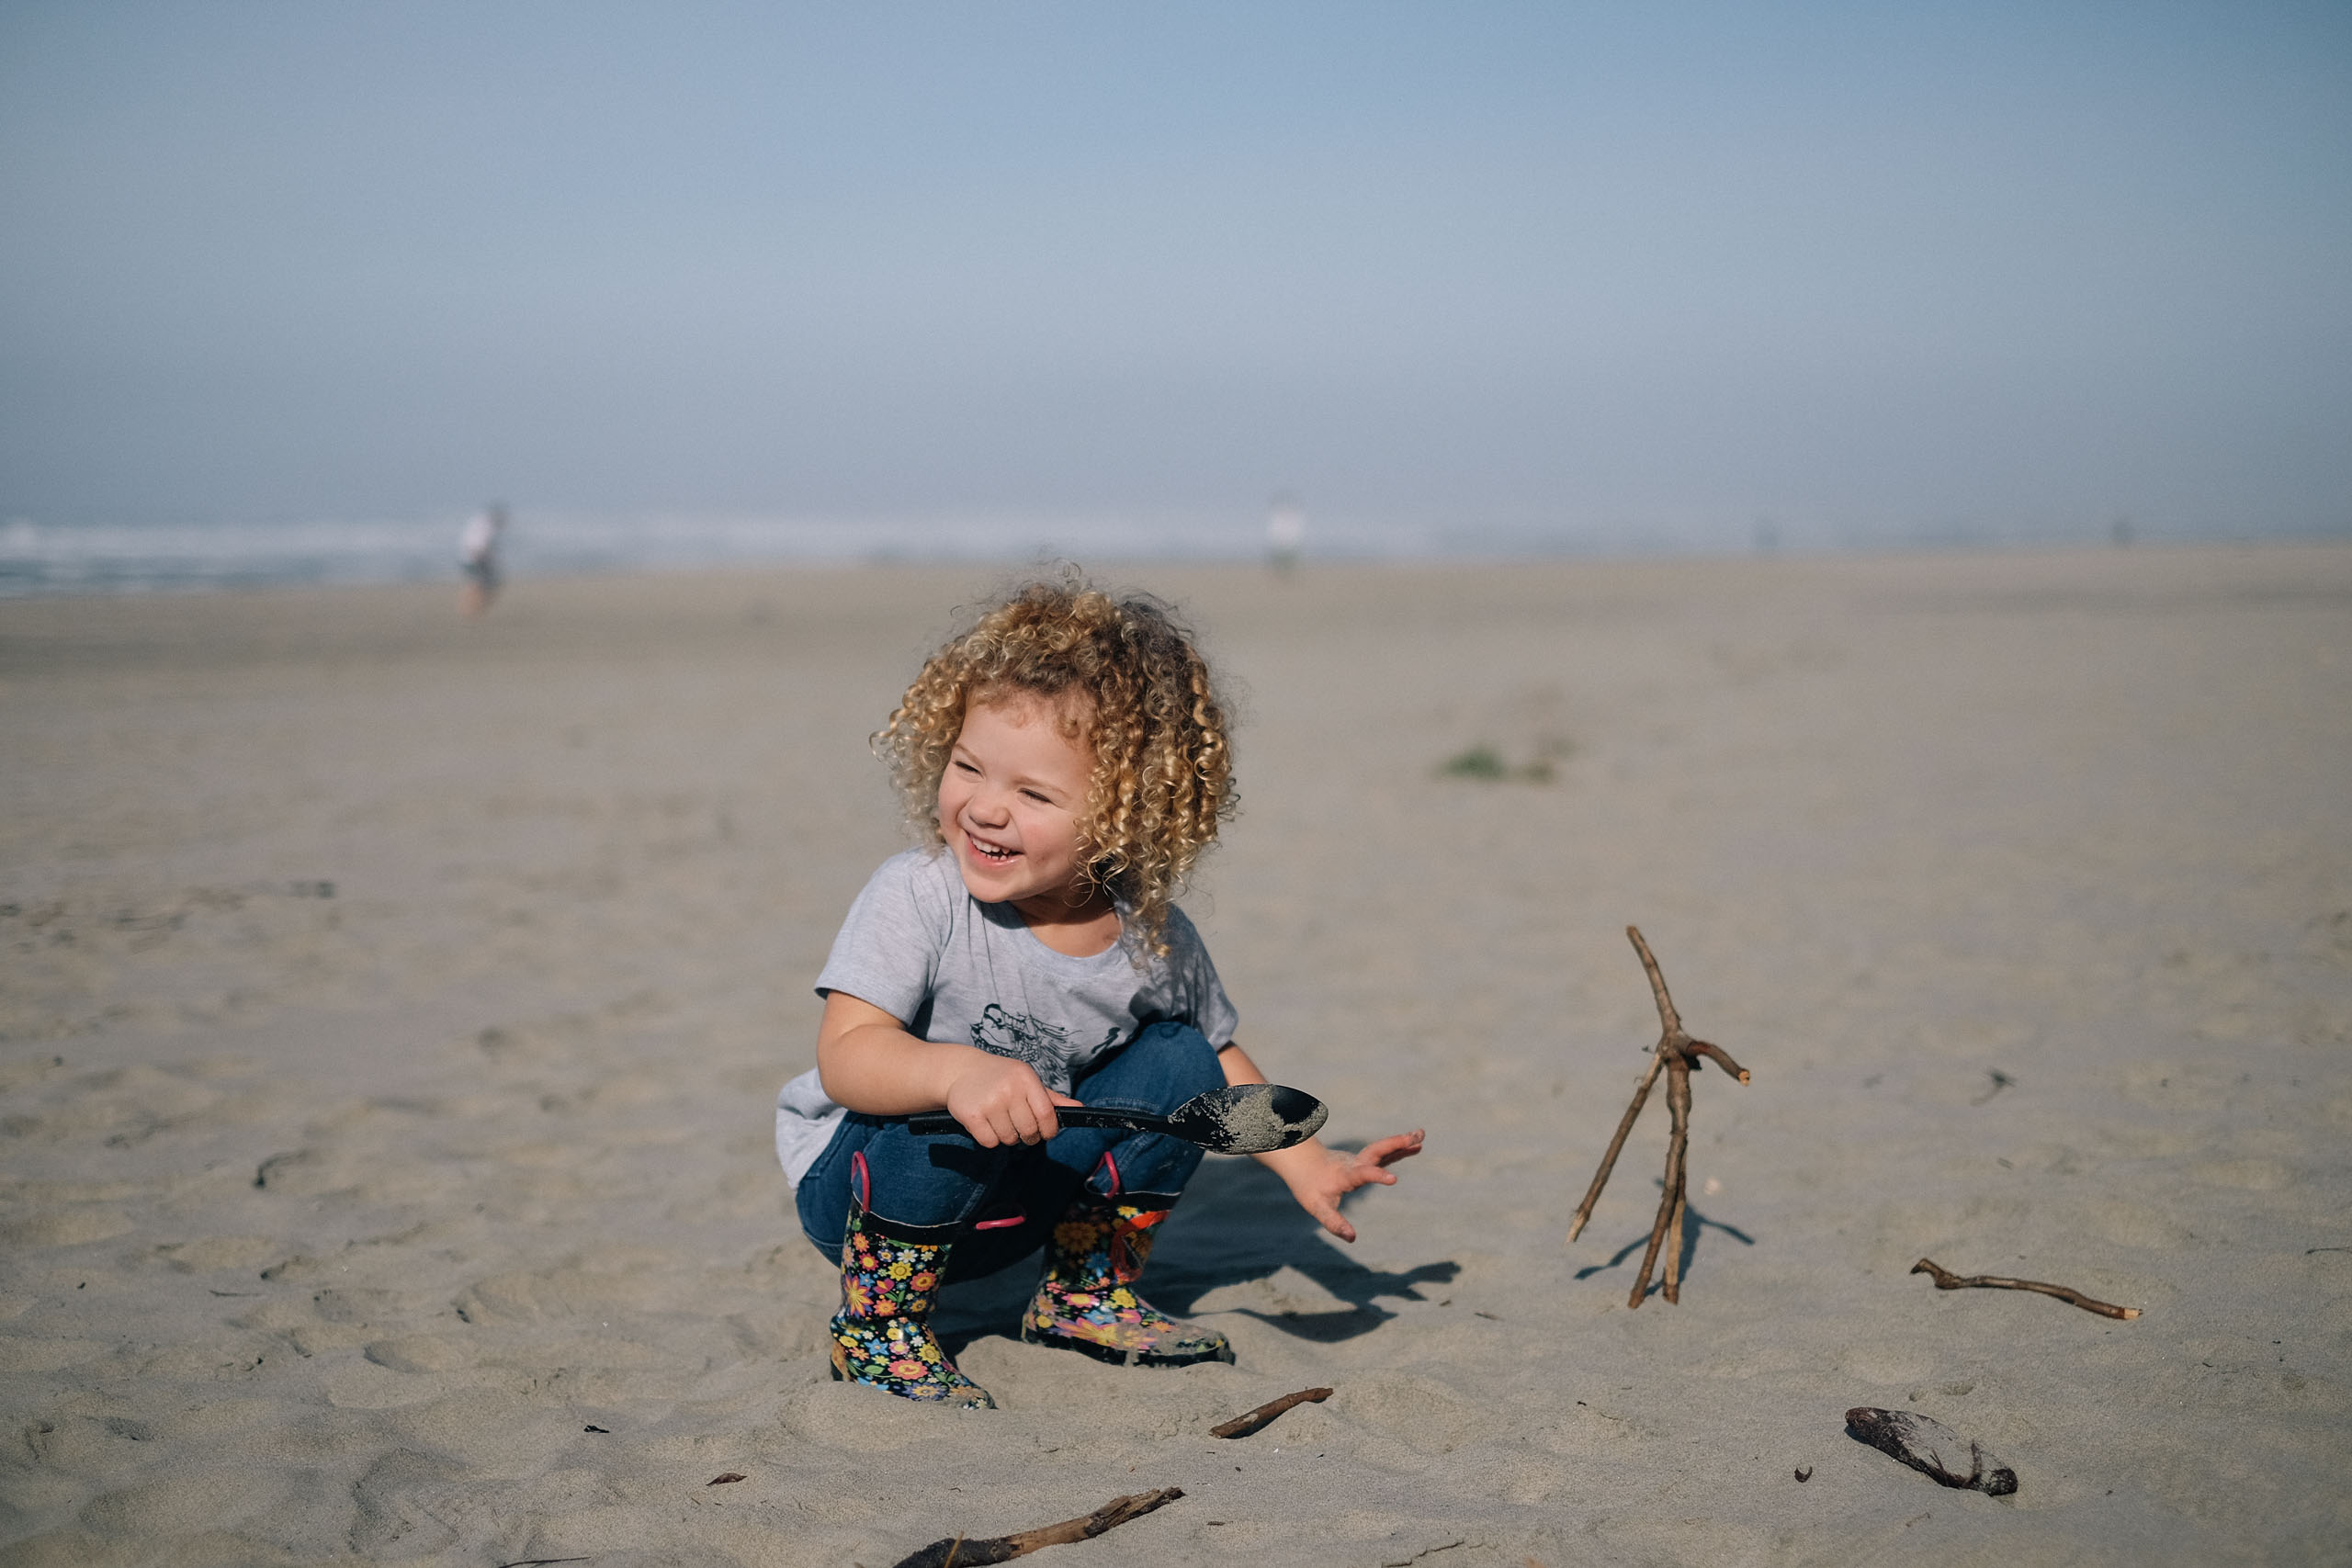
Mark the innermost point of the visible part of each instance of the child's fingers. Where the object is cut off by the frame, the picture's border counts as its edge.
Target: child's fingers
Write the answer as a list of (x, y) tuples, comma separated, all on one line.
[(1326, 1215), (1325, 1208), (983, 1120), (1403, 1146), (1013, 1121)]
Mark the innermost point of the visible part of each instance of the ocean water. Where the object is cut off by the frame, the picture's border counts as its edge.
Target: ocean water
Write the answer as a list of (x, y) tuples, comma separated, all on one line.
[(42, 559), (38, 557)]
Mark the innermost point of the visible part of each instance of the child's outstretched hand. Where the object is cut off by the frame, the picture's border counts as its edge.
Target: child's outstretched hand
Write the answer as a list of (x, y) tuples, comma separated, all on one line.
[(1318, 1178)]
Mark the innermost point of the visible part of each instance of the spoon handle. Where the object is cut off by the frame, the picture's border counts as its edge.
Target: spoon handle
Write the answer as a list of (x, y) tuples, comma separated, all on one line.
[(930, 1123)]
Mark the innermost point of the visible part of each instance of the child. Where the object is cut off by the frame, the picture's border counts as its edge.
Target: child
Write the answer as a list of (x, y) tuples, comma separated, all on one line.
[(1069, 760)]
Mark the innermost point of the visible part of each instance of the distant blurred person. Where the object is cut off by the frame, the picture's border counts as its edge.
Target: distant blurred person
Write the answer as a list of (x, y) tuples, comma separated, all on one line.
[(1285, 530), (478, 559)]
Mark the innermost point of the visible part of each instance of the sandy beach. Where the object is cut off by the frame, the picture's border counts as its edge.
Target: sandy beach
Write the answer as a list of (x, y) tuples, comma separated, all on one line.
[(392, 1010)]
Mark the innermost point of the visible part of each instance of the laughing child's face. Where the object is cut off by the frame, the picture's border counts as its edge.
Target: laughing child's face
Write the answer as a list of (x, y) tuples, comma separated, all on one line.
[(1008, 806)]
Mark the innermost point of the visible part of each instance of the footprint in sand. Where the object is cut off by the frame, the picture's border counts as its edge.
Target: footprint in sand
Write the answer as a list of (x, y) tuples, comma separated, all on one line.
[(400, 1506), (421, 1353)]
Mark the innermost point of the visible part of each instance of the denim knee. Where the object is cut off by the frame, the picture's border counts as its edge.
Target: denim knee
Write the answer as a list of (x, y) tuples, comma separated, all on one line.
[(916, 1179), (946, 1178), (1164, 1065)]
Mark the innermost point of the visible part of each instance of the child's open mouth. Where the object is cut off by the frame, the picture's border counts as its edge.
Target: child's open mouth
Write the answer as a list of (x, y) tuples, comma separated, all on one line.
[(989, 853)]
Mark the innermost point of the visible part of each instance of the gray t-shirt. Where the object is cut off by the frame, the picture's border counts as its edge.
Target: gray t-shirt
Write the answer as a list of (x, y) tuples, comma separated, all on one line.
[(919, 946)]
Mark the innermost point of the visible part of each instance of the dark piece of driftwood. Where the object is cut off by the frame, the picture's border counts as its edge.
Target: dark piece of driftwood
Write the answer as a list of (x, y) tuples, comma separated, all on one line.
[(1948, 1280), (1258, 1420), (1932, 1449), (964, 1552), (1677, 1056)]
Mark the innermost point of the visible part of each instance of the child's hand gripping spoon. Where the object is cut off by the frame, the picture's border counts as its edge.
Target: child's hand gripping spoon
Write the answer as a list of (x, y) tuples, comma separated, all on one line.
[(1246, 1119)]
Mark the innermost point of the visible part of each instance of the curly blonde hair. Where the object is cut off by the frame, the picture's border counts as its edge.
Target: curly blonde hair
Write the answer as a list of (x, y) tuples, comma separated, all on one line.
[(1139, 695)]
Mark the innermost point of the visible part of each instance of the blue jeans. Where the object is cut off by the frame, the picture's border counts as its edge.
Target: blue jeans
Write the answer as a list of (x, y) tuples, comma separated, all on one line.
[(1005, 1200)]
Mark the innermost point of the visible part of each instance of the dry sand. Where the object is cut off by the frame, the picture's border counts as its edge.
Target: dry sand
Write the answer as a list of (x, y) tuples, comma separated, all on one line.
[(435, 1220)]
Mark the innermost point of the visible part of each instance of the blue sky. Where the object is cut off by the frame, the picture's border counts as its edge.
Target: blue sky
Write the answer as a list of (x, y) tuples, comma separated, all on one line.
[(1865, 270)]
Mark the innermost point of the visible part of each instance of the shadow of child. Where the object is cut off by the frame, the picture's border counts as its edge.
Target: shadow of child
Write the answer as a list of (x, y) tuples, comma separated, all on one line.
[(1237, 1223)]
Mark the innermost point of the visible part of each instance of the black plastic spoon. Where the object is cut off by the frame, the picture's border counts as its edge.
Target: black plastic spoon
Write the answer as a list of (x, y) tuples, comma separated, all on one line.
[(1246, 1119)]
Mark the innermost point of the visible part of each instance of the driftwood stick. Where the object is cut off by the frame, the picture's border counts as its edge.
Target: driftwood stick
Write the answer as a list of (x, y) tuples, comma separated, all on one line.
[(1609, 1160), (1670, 1198), (1657, 1227), (1677, 1056), (1256, 1420), (1678, 1154), (964, 1552), (1672, 1288), (1948, 1280), (1718, 1055), (1669, 1024)]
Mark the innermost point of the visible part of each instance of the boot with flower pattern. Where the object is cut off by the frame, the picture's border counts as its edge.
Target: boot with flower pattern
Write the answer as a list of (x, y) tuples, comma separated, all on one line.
[(882, 1336), (1087, 1302)]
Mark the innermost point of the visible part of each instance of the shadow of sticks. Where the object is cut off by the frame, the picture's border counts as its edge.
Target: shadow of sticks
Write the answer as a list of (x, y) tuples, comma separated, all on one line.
[(1694, 1223)]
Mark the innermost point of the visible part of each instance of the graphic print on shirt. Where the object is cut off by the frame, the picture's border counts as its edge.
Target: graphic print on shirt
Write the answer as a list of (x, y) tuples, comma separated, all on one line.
[(1044, 1046)]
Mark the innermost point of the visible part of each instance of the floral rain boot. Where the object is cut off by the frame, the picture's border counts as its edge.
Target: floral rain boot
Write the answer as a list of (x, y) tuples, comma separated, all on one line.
[(890, 1276), (1087, 1301)]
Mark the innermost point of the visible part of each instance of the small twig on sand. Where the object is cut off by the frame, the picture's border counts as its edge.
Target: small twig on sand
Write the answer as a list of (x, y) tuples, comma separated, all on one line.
[(964, 1552), (1948, 1280), (1679, 1055), (2001, 1080), (1257, 1420)]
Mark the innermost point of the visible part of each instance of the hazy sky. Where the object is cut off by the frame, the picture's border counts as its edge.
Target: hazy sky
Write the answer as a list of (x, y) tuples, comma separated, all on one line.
[(1853, 267)]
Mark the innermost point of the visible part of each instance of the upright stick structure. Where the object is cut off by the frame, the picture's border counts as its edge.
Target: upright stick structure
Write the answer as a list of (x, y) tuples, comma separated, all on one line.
[(1679, 1055)]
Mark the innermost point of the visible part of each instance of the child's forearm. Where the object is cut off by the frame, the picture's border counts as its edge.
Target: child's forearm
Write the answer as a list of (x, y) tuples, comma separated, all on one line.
[(869, 1063), (1236, 1063), (887, 1072)]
